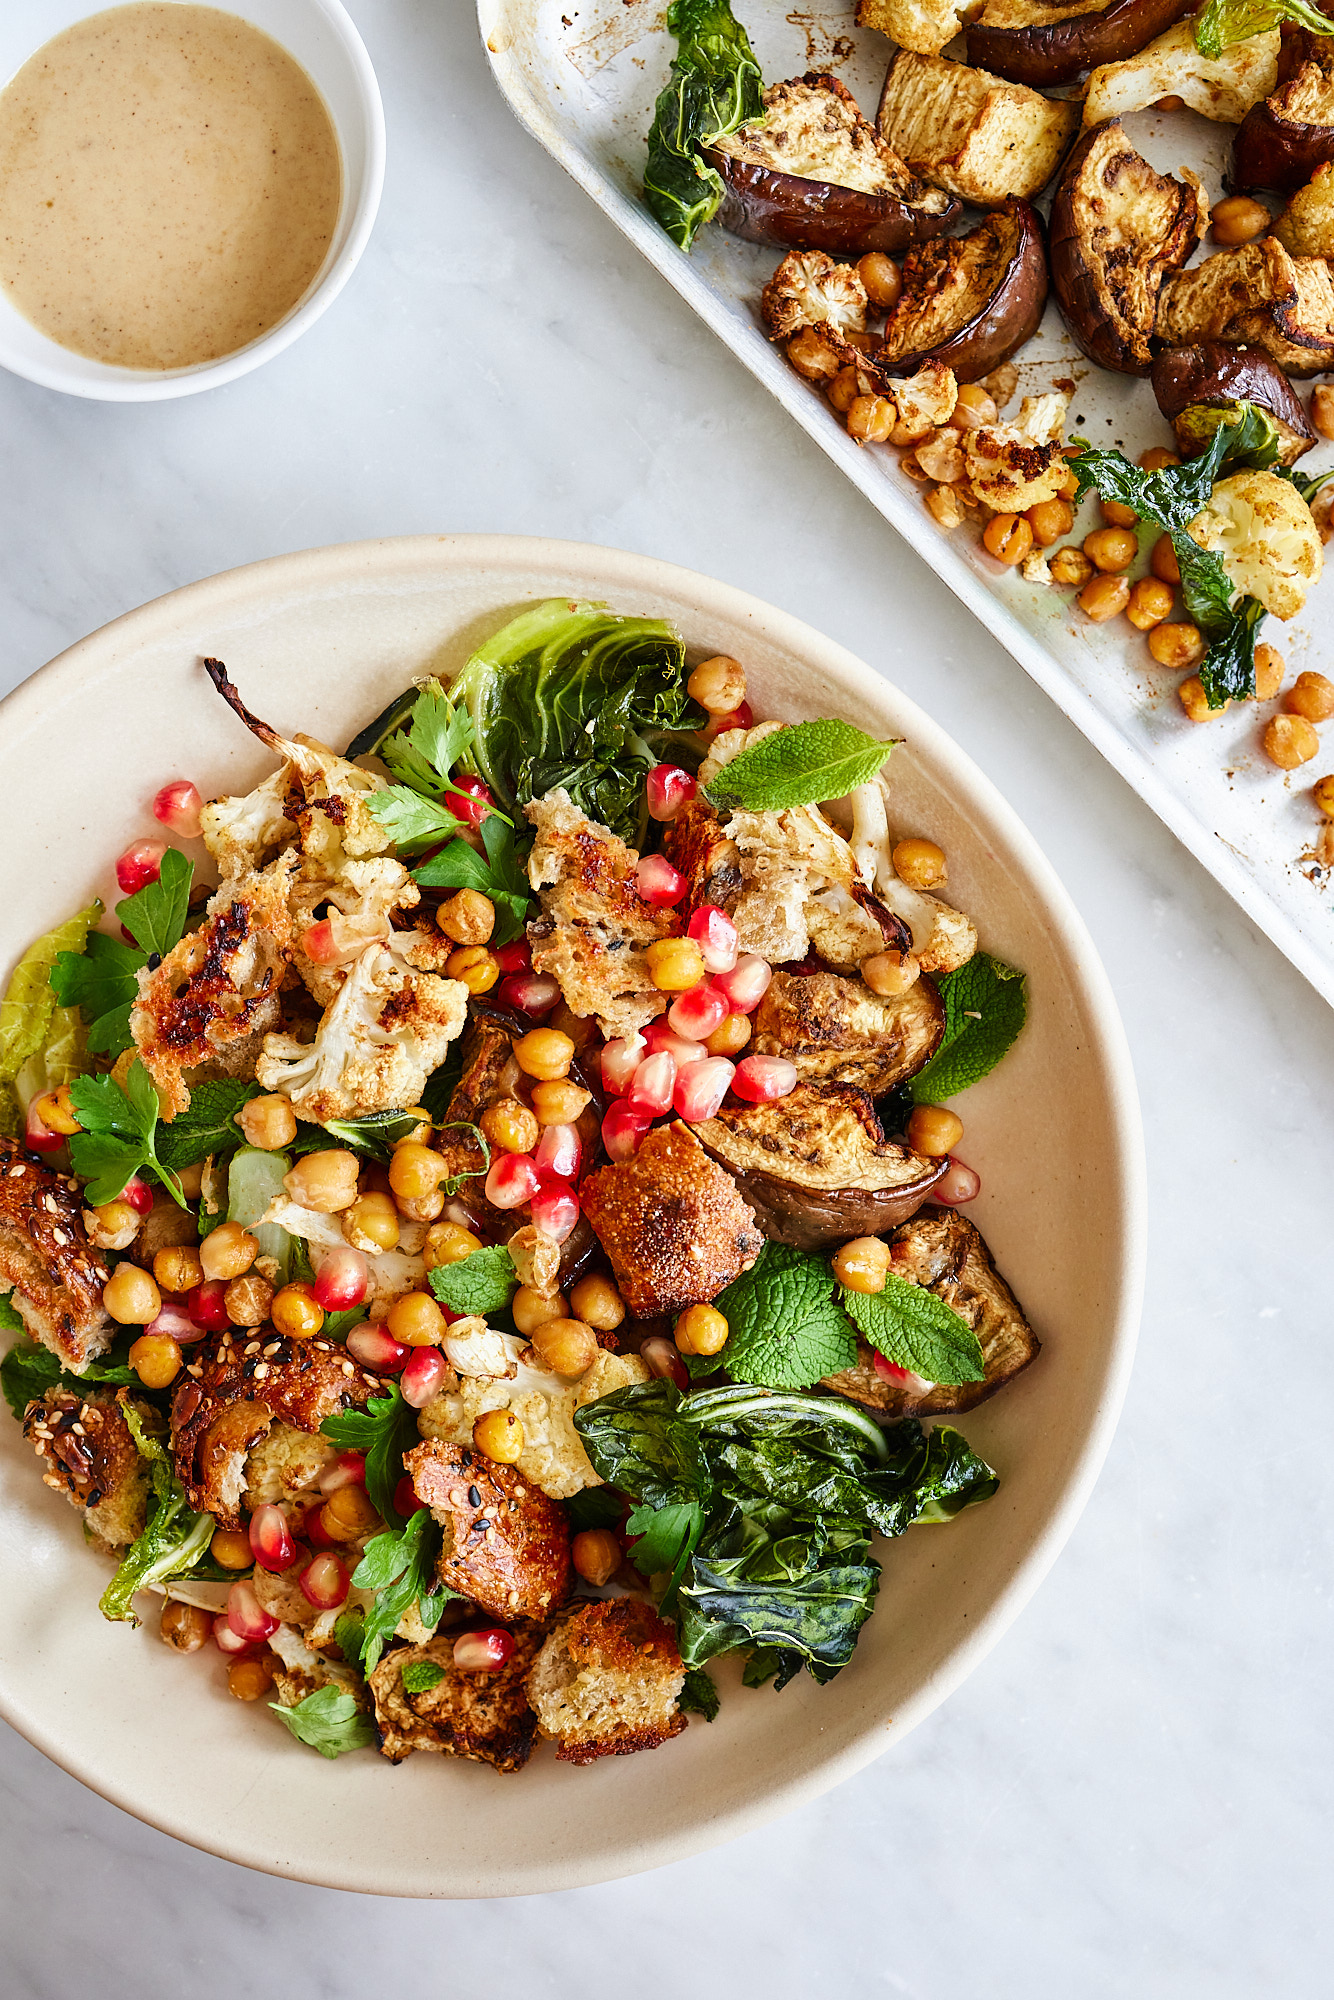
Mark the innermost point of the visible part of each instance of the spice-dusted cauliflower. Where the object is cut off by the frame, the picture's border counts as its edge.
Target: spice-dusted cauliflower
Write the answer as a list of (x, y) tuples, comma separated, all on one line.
[(244, 832), (1269, 543), (284, 1463), (359, 902), (810, 289), (377, 1042), (553, 1454), (1010, 470), (1221, 87), (943, 938), (927, 398)]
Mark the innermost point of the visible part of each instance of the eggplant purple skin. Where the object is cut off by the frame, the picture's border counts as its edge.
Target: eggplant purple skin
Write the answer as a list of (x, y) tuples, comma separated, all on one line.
[(1010, 316), (810, 1219), (1067, 50), (1212, 372), (1076, 296), (1270, 151), (787, 212)]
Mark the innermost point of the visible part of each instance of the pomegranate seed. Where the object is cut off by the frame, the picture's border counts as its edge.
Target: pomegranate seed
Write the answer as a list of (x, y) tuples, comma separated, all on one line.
[(317, 942), (512, 1181), (762, 1079), (342, 1280), (405, 1497), (715, 934), (739, 718), (178, 805), (377, 1350), (39, 1138), (423, 1375), (207, 1306), (904, 1377), (533, 993), (747, 983), (315, 1531), (271, 1539), (470, 801), (483, 1652), (348, 1469), (957, 1184), (668, 788), (227, 1641), (557, 1153), (555, 1210), (246, 1615), (620, 1059), (516, 957), (622, 1129), (659, 1039), (174, 1323), (697, 1012), (658, 882), (661, 1357), (139, 1195), (325, 1582), (139, 865), (651, 1088), (701, 1089)]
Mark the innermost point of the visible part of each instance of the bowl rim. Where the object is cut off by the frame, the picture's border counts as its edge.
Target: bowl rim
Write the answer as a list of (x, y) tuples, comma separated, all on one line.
[(383, 560), (112, 384)]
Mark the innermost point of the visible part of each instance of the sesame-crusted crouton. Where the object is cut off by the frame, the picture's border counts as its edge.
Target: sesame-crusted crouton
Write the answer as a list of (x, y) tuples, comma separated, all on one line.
[(672, 1223), (506, 1546), (484, 1716), (606, 1682), (90, 1456), (56, 1276)]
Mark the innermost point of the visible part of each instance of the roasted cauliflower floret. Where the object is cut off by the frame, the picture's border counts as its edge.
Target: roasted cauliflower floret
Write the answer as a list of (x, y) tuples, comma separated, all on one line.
[(45, 1256), (1009, 470), (553, 1455), (606, 1682), (378, 1041), (810, 289), (942, 937), (284, 1463), (359, 903), (90, 1456), (1262, 528), (926, 397), (243, 833)]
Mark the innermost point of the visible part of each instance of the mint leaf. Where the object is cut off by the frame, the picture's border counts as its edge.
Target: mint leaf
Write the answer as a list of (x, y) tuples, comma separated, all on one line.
[(208, 1128), (914, 1329), (800, 766), (27, 1371), (986, 1005), (11, 1321), (155, 915), (481, 1283), (350, 1634), (699, 1696), (384, 1430), (410, 819), (420, 1676), (787, 1328), (498, 875), (329, 1721)]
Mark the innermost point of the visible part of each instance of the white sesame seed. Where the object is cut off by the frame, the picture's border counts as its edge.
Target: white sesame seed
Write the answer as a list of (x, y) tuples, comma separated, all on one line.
[(348, 1368), (261, 1371)]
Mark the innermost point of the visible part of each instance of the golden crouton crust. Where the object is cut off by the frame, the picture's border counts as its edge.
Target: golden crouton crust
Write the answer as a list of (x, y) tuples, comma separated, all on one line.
[(45, 1255), (694, 843), (621, 1640), (672, 1223), (483, 1716), (595, 925), (92, 1459), (506, 1546), (242, 1382)]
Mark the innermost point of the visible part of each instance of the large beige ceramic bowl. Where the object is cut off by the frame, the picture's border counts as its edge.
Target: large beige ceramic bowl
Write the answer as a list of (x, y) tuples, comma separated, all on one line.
[(319, 643)]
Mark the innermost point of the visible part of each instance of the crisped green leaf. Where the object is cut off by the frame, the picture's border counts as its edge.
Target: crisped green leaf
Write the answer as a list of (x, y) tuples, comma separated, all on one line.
[(155, 915), (914, 1329), (699, 1696), (375, 1135), (174, 1540), (481, 1283), (800, 766), (812, 1617), (594, 1507), (209, 1127), (384, 1430), (420, 1676), (986, 1005), (638, 1441), (787, 1328), (329, 1721), (29, 1002), (1223, 22), (715, 87)]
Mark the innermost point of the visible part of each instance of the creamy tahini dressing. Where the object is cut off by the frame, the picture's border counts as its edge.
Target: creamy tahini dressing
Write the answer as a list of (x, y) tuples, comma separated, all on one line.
[(170, 182)]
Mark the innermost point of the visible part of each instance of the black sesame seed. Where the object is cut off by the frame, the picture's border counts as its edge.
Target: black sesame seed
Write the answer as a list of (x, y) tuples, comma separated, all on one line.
[(474, 1496), (154, 960)]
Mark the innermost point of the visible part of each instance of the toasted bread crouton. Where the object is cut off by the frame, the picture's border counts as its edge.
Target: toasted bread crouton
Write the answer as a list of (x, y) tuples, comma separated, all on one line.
[(837, 1030), (922, 25), (553, 1455), (672, 1223), (942, 1251), (90, 1456), (1255, 295), (606, 1682), (238, 1387), (484, 1716), (971, 133), (45, 1255), (595, 926), (506, 1546)]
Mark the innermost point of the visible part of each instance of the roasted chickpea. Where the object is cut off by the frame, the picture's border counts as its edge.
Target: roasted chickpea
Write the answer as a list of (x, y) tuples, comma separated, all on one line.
[(325, 1181), (510, 1126), (1322, 791), (1163, 561), (730, 1036), (1238, 219), (1270, 668), (871, 419), (1111, 549), (1322, 410), (155, 1359), (178, 1269), (1195, 701), (1157, 459), (674, 964), (131, 1297), (567, 1345), (934, 1130), (863, 1264), (297, 1313), (881, 278), (415, 1170), (348, 1513), (596, 1301), (559, 1102), (1008, 537), (416, 1320), (1070, 567), (701, 1330), (268, 1123), (531, 1309), (1311, 695), (1104, 597), (919, 863), (1176, 646), (595, 1552), (813, 355), (1116, 515), (113, 1226), (945, 507), (974, 408), (371, 1224), (448, 1243), (184, 1626), (718, 684), (249, 1679), (1170, 103), (474, 966), (248, 1300), (842, 392), (1150, 602), (499, 1436), (546, 1053), (467, 918), (56, 1112), (1290, 740), (1049, 520), (889, 973), (231, 1550), (228, 1251)]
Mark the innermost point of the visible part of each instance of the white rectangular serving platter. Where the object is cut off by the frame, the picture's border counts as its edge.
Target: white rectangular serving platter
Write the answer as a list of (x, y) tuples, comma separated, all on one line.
[(582, 76)]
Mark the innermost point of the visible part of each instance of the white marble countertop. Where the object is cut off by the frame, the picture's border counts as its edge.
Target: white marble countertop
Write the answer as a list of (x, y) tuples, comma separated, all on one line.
[(1129, 1796)]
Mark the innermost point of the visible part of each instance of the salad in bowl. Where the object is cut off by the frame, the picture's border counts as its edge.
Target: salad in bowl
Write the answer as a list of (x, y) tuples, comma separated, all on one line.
[(487, 1236)]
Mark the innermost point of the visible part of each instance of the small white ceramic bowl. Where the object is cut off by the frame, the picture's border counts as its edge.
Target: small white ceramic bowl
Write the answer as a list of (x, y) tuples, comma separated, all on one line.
[(320, 34), (320, 642)]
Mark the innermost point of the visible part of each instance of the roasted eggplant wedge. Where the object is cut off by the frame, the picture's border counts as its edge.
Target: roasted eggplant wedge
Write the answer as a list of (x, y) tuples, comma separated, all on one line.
[(817, 176), (1040, 43), (1280, 143), (974, 134), (1117, 229), (816, 1167), (970, 301), (942, 1251), (1190, 382), (1255, 296), (836, 1030)]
